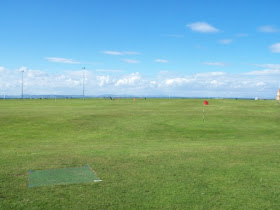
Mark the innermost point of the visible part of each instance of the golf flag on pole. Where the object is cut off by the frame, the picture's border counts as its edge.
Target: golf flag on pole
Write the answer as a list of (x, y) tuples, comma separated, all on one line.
[(205, 102)]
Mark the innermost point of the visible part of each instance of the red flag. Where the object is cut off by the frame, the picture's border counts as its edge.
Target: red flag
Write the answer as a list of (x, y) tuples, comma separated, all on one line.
[(205, 102)]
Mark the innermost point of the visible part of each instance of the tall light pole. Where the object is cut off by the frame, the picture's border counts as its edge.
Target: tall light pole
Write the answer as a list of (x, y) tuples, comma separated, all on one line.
[(22, 71), (83, 82)]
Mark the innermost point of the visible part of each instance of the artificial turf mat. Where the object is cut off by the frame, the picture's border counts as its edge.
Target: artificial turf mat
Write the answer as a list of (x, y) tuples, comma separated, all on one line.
[(60, 176)]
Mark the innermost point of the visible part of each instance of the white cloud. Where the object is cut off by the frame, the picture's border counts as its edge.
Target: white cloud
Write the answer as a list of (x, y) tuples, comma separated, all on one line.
[(216, 83), (108, 70), (61, 60), (130, 79), (23, 68), (264, 72), (262, 83), (161, 60), (208, 74), (275, 48), (270, 66), (177, 81), (220, 84), (1, 68), (225, 41), (131, 61), (112, 52), (268, 29), (102, 80), (121, 53), (270, 70), (202, 27), (214, 63), (35, 73)]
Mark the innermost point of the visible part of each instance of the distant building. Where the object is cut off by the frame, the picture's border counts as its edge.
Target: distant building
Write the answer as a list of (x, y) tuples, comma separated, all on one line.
[(278, 95)]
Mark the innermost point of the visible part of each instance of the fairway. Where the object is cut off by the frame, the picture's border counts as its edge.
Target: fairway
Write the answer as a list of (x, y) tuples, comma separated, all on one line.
[(149, 154)]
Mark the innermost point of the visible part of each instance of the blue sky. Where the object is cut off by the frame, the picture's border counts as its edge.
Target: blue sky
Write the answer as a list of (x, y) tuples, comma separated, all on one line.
[(189, 48)]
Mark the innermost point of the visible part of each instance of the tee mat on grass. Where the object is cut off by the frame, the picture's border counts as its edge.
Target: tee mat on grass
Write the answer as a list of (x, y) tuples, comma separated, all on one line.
[(61, 176)]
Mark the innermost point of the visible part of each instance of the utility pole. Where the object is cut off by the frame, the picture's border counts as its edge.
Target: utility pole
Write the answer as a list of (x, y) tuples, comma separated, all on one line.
[(83, 82), (22, 71)]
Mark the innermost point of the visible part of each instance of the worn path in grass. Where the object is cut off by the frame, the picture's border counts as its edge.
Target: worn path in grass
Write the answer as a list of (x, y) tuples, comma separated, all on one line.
[(150, 154)]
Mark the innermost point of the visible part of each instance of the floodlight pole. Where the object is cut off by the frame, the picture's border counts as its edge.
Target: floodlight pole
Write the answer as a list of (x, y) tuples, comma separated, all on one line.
[(83, 82), (22, 84)]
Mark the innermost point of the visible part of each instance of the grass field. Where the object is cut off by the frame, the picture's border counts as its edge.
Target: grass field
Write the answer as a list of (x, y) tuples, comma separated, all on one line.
[(150, 154)]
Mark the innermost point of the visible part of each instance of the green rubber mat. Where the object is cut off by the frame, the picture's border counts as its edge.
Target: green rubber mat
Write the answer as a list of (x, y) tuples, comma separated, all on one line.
[(60, 176)]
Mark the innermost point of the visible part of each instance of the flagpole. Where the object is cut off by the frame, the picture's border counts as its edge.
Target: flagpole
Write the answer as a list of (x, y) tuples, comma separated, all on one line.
[(83, 82), (22, 71), (203, 114)]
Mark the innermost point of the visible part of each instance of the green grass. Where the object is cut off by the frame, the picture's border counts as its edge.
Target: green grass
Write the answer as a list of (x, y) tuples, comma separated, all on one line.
[(150, 154)]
